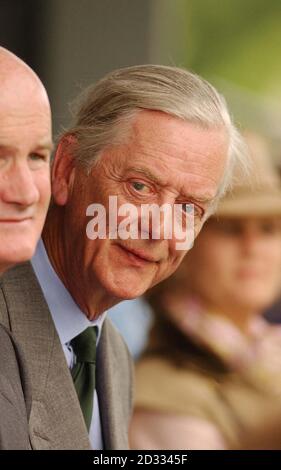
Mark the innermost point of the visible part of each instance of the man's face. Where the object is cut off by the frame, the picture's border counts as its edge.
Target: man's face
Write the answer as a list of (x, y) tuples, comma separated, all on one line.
[(165, 160), (25, 143)]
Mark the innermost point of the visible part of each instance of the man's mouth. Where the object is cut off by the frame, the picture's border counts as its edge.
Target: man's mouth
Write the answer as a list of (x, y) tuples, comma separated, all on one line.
[(14, 220), (138, 257)]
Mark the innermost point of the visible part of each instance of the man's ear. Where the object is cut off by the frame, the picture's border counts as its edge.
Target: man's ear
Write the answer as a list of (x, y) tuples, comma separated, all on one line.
[(63, 170)]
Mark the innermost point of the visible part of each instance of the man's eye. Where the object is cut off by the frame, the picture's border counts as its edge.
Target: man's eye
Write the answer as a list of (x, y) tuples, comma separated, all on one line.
[(37, 156), (38, 160), (192, 210), (138, 186), (188, 208)]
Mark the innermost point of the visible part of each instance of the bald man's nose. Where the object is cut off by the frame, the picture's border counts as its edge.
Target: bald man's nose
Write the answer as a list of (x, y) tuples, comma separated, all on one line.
[(18, 186)]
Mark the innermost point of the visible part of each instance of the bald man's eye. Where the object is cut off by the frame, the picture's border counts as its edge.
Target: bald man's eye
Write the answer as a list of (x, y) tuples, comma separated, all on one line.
[(38, 159), (38, 156)]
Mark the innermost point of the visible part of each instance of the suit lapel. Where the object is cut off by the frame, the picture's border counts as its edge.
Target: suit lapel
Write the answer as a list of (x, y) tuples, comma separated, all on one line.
[(56, 420), (109, 389)]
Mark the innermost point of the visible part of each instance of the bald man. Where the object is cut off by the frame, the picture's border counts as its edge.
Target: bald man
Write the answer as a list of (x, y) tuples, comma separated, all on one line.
[(25, 147)]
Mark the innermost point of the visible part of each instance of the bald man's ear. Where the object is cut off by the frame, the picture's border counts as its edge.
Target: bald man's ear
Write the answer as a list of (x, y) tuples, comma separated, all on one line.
[(63, 170)]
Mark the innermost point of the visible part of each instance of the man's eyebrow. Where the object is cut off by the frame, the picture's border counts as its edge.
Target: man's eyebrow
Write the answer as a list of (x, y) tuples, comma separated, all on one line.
[(6, 147), (147, 173), (202, 199), (48, 145), (208, 199)]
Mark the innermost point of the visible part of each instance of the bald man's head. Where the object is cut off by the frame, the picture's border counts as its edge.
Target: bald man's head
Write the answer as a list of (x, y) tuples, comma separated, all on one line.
[(20, 82), (9, 63), (25, 147)]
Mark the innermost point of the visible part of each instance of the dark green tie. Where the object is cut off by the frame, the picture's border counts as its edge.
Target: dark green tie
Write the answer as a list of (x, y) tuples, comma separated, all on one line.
[(83, 372)]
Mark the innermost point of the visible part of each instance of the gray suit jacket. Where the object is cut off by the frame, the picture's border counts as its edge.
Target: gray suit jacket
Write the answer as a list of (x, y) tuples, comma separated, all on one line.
[(15, 398), (56, 420)]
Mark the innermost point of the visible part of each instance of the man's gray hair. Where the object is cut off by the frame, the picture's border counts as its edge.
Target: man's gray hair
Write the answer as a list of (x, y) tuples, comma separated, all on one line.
[(105, 110)]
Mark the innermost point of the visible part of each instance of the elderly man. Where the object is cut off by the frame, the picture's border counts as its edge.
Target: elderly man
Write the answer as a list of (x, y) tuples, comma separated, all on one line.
[(25, 142), (146, 135)]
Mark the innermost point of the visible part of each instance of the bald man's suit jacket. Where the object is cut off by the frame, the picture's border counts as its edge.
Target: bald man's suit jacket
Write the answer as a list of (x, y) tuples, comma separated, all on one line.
[(56, 420), (15, 398)]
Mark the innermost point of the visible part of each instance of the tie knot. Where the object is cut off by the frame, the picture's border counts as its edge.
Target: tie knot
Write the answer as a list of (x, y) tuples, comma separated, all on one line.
[(84, 345)]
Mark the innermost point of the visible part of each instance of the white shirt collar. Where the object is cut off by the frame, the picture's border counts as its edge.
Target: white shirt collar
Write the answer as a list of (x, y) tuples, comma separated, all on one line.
[(69, 320)]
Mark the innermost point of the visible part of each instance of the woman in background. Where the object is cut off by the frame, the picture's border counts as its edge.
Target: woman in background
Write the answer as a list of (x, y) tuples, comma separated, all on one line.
[(212, 370)]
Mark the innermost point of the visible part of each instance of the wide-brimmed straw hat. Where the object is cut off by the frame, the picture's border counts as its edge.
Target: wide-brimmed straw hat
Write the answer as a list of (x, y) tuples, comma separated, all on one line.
[(256, 194)]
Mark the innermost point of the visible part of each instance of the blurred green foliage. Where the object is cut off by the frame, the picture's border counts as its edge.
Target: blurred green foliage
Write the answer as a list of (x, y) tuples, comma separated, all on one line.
[(236, 40)]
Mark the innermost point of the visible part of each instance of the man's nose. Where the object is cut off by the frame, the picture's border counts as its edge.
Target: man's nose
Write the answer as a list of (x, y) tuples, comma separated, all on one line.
[(17, 185), (155, 222), (168, 222)]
